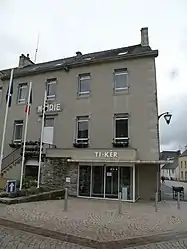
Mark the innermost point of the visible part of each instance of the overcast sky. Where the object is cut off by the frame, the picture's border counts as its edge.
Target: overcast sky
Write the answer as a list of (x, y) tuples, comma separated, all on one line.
[(67, 26)]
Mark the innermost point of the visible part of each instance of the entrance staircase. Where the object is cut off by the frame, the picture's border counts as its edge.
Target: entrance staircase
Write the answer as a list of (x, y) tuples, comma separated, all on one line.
[(10, 161)]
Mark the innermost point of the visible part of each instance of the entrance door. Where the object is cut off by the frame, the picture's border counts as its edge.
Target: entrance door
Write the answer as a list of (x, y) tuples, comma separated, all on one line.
[(84, 180), (111, 190), (98, 181)]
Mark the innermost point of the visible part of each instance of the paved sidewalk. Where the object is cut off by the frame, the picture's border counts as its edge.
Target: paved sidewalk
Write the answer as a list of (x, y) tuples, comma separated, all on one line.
[(14, 239), (99, 219)]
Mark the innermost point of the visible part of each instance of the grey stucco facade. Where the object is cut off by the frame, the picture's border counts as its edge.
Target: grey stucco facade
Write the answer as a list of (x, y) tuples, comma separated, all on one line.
[(139, 101)]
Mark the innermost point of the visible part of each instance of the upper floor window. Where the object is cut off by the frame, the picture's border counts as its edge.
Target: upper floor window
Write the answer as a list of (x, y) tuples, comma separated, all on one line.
[(1, 91), (121, 128), (22, 93), (82, 129), (185, 163), (18, 131), (181, 164), (84, 84), (120, 80), (49, 122), (51, 89)]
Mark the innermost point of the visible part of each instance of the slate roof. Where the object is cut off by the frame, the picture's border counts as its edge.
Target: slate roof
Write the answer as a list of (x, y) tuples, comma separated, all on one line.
[(184, 153), (173, 165), (164, 155), (129, 52)]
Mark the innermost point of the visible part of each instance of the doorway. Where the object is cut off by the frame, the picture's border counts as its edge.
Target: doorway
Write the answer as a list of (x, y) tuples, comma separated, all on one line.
[(106, 181)]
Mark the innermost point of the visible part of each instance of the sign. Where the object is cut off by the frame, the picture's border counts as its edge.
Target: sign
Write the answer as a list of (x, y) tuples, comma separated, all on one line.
[(106, 154), (52, 107), (68, 179), (109, 173), (11, 186)]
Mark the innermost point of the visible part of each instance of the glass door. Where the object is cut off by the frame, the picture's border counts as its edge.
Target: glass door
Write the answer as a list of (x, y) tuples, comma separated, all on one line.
[(111, 190), (84, 180), (98, 181)]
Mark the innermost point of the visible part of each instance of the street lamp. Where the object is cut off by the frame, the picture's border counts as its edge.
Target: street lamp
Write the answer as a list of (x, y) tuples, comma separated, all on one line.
[(167, 117)]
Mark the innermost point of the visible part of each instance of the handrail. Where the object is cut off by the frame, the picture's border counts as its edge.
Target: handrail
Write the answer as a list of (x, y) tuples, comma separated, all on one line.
[(11, 153), (11, 163)]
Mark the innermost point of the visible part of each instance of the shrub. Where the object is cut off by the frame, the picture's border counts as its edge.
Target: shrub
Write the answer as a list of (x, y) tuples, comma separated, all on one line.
[(4, 194)]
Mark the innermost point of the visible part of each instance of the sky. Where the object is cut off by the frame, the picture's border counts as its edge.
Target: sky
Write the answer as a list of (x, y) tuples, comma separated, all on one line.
[(67, 26)]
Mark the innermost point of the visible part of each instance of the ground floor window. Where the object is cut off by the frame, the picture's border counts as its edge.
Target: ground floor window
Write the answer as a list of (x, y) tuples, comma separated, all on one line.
[(106, 181)]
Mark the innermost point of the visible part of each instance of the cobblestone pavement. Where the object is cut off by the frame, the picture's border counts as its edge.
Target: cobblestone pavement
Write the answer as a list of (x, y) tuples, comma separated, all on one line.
[(14, 239), (99, 219), (174, 244)]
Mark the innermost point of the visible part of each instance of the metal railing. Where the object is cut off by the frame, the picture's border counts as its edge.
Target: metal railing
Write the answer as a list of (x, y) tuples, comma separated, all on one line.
[(11, 158)]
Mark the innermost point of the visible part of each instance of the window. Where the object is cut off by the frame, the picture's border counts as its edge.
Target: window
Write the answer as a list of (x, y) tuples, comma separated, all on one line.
[(22, 93), (51, 89), (181, 164), (18, 130), (172, 171), (1, 91), (121, 128), (185, 164), (49, 122), (181, 174), (82, 130), (120, 80), (84, 84)]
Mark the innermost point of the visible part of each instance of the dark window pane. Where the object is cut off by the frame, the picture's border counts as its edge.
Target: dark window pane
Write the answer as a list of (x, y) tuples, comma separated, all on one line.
[(22, 93), (51, 89), (49, 122), (82, 129), (84, 84), (121, 128), (18, 130), (120, 81), (0, 95)]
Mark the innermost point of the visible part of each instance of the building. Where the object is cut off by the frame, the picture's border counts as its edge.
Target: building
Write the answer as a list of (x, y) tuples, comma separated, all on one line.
[(183, 166), (102, 121), (170, 170)]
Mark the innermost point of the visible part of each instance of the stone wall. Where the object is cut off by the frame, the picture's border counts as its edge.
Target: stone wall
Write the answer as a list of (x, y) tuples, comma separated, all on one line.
[(54, 172)]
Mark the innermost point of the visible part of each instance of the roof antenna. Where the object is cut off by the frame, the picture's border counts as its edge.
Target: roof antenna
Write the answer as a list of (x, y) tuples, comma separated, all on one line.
[(37, 47)]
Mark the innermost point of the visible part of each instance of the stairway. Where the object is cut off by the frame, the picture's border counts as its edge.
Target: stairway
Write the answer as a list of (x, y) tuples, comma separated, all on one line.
[(10, 160)]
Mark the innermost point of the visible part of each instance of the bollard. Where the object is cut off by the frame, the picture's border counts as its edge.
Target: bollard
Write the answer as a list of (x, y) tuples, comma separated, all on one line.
[(156, 202), (178, 200), (119, 203), (66, 200)]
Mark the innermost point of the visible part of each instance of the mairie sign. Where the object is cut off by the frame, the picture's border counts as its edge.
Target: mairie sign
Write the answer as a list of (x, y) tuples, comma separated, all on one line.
[(52, 107)]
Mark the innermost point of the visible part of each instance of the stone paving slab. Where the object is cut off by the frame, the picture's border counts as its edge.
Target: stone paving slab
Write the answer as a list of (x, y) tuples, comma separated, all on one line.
[(15, 239), (99, 219)]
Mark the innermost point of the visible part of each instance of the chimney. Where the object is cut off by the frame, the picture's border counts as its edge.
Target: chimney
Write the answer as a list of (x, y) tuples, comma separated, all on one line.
[(24, 60), (144, 37), (79, 54)]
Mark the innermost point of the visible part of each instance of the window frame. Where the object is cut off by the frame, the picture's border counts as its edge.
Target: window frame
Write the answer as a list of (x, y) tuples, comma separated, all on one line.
[(52, 81), (121, 117), (121, 71), (80, 79), (17, 123), (21, 86), (80, 119), (1, 94)]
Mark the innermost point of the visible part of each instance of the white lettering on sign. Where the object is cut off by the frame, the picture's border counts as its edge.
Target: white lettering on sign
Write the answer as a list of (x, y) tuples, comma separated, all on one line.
[(106, 154), (50, 107)]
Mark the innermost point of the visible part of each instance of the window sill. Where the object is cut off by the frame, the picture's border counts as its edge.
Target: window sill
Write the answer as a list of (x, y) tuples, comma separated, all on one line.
[(122, 92), (84, 96), (80, 145), (21, 103)]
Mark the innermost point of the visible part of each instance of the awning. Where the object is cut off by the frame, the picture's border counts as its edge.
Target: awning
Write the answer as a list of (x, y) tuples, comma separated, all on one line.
[(120, 161)]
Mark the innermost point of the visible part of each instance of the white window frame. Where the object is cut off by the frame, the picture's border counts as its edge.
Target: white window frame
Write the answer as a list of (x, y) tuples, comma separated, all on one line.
[(21, 86), (51, 82), (120, 72), (1, 94), (16, 123), (81, 78), (79, 120), (122, 138)]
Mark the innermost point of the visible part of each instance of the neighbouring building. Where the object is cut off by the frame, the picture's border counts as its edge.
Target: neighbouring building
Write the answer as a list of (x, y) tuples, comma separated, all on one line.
[(170, 170), (183, 166), (101, 123)]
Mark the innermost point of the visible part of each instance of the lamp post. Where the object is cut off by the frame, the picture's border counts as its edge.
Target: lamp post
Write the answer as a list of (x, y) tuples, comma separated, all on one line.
[(167, 116)]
